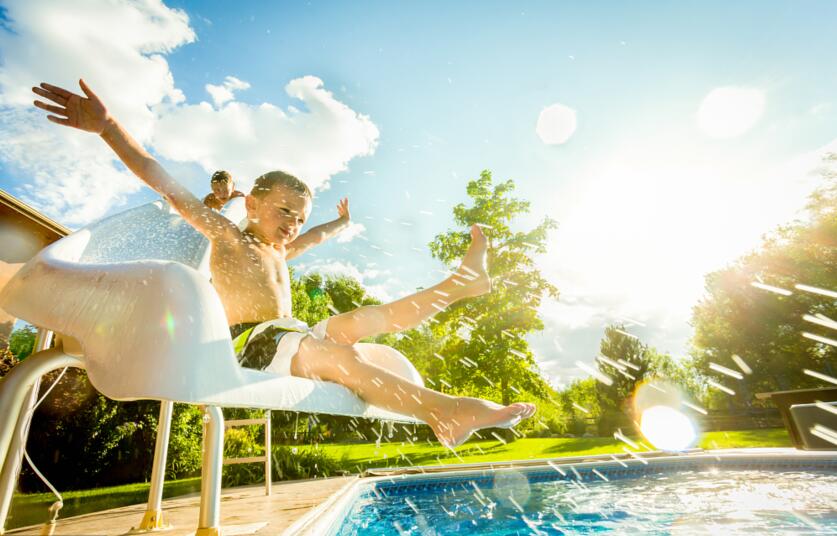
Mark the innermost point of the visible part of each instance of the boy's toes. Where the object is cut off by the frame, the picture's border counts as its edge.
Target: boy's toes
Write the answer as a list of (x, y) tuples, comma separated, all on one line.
[(524, 410)]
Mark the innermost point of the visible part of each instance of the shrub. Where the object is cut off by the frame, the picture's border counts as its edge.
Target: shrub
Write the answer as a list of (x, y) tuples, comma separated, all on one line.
[(291, 463), (7, 361), (288, 462)]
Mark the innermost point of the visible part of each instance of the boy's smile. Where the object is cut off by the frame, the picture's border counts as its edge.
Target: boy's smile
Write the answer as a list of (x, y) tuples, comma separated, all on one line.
[(278, 216)]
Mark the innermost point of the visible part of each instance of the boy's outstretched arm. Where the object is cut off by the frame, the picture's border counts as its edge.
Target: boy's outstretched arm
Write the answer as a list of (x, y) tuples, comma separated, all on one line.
[(319, 234), (91, 115)]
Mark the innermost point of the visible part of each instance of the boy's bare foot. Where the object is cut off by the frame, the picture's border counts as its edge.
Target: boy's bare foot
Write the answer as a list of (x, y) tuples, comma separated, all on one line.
[(472, 273), (471, 414)]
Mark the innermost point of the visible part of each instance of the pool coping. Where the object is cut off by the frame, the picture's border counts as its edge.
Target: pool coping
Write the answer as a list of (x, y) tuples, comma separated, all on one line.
[(325, 518)]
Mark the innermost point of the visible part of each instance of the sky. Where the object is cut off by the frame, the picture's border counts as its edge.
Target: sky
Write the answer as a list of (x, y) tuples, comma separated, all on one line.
[(665, 138)]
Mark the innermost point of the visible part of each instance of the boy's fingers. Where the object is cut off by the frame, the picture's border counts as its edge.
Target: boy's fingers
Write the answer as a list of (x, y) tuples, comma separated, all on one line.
[(50, 108), (57, 90), (54, 97), (87, 90), (59, 120)]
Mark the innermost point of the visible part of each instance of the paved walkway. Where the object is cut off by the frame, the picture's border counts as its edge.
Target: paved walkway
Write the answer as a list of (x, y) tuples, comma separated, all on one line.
[(244, 510)]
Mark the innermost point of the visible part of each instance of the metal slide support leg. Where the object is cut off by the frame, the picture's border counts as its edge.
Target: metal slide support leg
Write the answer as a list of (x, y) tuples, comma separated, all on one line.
[(267, 454), (153, 519), (16, 391), (209, 523), (14, 459)]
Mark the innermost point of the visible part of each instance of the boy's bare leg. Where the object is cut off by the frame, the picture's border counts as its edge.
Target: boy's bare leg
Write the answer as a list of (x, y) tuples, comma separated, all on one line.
[(453, 419), (470, 280)]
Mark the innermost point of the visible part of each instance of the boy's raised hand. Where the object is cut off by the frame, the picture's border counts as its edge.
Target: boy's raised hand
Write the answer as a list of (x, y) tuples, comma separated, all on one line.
[(343, 209), (73, 110)]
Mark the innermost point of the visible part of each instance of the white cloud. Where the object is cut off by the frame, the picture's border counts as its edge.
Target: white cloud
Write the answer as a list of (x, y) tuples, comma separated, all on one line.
[(119, 47), (556, 124), (727, 112), (350, 233), (570, 316), (226, 91), (820, 109), (116, 47), (249, 140), (76, 183), (333, 268), (383, 291)]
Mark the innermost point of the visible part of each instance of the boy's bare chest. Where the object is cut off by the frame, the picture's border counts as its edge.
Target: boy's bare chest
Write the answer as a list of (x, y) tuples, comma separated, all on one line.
[(257, 264), (253, 277)]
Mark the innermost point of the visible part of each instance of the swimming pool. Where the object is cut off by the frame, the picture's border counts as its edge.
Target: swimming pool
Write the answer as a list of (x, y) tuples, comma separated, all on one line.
[(714, 493)]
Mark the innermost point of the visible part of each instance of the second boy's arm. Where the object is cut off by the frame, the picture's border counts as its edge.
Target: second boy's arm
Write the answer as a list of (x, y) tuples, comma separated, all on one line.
[(319, 234), (90, 114)]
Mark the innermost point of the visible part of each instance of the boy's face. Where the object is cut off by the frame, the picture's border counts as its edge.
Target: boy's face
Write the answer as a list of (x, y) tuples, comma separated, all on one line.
[(222, 189), (279, 215)]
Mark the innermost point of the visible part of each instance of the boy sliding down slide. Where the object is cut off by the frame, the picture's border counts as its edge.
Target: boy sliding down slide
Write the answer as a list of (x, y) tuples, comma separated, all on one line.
[(250, 273)]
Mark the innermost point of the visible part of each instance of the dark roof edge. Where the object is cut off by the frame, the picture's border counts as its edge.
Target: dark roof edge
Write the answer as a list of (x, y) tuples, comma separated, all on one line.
[(25, 210)]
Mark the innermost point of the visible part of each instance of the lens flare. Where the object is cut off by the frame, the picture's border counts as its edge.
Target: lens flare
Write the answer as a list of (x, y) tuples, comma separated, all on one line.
[(658, 403), (667, 429), (169, 321), (511, 489)]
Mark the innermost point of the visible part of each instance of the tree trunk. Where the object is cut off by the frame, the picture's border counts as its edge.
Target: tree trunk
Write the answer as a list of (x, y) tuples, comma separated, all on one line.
[(504, 382)]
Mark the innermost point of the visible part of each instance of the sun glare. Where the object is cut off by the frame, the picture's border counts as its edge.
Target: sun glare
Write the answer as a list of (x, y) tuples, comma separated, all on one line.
[(727, 112), (661, 422), (667, 429), (556, 124)]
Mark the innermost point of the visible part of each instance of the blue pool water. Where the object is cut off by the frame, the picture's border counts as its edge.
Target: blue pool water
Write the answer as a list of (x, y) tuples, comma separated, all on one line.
[(706, 498)]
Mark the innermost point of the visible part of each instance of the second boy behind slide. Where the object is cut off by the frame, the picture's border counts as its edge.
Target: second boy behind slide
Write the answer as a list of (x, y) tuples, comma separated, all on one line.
[(250, 274)]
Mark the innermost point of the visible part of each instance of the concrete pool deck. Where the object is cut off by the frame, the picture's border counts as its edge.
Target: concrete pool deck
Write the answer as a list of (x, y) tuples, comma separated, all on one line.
[(244, 510)]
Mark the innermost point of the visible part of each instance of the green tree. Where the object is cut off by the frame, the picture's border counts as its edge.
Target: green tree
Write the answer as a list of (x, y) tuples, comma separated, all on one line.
[(22, 341), (489, 330), (763, 328), (7, 361), (580, 405), (310, 301), (683, 373), (347, 293), (614, 399)]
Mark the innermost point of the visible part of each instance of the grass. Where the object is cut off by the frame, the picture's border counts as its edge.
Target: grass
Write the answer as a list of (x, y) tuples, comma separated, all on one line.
[(29, 509), (365, 455)]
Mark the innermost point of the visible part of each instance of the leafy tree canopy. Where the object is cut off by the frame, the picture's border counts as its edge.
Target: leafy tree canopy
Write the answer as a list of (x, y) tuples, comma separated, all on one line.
[(763, 328)]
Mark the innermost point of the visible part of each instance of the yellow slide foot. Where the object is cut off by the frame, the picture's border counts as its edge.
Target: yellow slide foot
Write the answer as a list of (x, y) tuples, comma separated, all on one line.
[(152, 521)]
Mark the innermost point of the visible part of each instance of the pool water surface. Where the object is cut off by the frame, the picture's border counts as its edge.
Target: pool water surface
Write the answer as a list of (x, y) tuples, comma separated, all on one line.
[(707, 498)]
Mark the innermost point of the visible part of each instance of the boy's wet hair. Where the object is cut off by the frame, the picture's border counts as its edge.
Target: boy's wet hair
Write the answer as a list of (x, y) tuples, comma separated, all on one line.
[(270, 180), (221, 176)]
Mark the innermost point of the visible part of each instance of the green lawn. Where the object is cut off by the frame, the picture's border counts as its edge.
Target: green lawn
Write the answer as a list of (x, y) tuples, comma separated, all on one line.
[(30, 509), (365, 455)]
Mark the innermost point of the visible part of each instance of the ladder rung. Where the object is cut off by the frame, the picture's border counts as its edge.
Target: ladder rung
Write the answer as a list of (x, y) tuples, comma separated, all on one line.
[(244, 422), (232, 461)]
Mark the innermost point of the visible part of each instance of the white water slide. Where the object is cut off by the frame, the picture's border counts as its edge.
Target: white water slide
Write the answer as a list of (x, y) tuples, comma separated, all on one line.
[(131, 299)]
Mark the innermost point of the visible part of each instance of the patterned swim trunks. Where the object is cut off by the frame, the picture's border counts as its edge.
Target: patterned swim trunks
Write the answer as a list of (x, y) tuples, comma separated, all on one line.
[(270, 346)]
